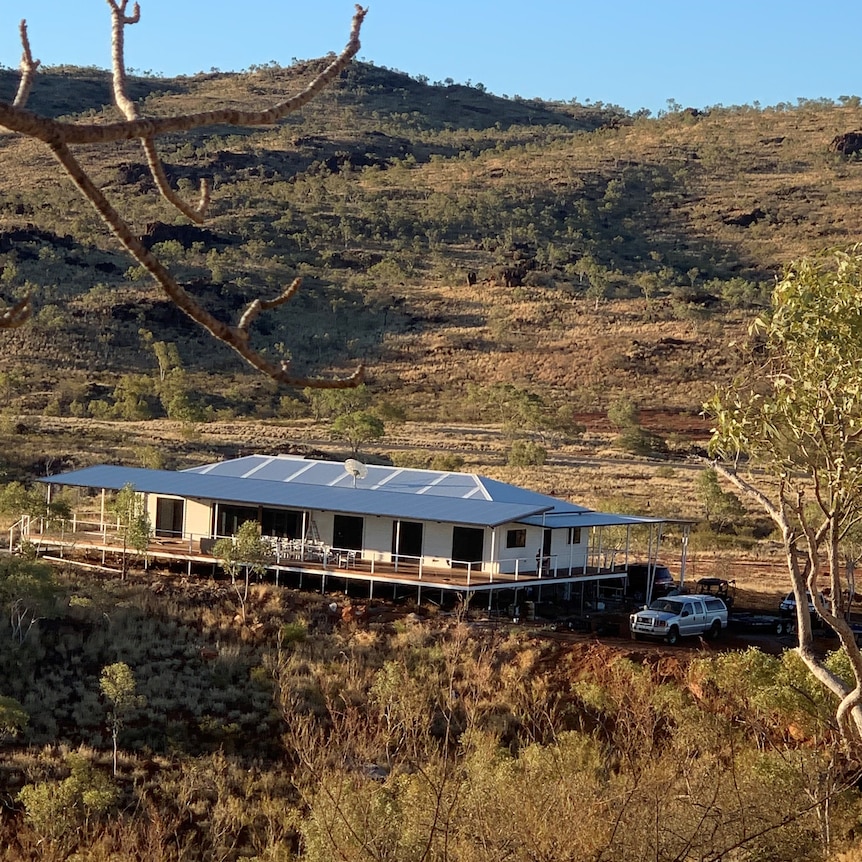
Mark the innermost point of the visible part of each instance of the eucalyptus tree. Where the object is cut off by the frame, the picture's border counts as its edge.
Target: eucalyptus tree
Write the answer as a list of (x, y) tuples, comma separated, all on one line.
[(27, 592), (133, 521), (788, 433), (119, 686), (244, 554)]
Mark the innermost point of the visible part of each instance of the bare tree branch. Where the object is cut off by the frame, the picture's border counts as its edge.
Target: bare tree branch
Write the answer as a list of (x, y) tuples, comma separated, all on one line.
[(747, 488), (128, 107), (59, 136), (19, 313), (28, 68), (259, 305), (48, 131)]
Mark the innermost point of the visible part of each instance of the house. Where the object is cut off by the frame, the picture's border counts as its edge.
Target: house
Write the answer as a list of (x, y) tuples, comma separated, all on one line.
[(379, 524)]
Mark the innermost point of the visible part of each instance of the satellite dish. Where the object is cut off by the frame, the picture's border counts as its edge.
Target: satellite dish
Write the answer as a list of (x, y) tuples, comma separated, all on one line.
[(356, 469)]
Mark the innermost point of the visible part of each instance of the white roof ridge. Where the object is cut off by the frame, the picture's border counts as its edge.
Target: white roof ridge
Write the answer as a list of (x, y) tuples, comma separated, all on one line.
[(481, 484)]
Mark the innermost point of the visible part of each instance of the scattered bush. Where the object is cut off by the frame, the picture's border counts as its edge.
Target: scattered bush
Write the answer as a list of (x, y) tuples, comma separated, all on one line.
[(526, 453), (642, 442), (58, 809)]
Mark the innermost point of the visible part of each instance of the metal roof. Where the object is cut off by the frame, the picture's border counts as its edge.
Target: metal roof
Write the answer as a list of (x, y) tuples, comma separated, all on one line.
[(293, 469), (557, 519), (299, 483), (473, 510)]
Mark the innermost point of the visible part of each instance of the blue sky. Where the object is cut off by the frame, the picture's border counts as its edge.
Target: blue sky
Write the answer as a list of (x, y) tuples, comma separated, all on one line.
[(632, 53)]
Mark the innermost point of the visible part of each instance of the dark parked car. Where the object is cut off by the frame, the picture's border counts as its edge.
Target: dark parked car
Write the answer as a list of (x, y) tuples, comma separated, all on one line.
[(638, 573), (788, 604), (719, 587)]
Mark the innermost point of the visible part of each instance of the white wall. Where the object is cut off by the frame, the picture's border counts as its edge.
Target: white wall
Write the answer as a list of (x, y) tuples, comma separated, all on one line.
[(517, 559), (198, 519), (436, 540), (565, 556), (377, 539), (151, 508), (324, 521), (562, 555)]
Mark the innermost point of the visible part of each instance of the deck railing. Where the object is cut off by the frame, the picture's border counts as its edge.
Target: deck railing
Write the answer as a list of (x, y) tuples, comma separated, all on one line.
[(18, 531), (107, 537)]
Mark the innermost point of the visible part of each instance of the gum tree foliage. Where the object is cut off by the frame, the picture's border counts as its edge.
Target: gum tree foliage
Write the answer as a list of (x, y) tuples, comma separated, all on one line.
[(722, 509), (517, 410), (522, 413), (623, 413), (17, 500), (330, 404), (354, 418), (134, 522), (242, 555), (526, 453), (358, 428), (57, 810), (788, 433), (119, 687), (13, 717)]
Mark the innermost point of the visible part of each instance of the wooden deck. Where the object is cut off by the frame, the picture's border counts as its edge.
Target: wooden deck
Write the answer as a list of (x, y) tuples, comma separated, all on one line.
[(322, 573)]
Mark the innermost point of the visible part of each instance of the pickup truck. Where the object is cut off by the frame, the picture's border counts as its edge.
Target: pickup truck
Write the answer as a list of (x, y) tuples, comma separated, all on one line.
[(673, 617)]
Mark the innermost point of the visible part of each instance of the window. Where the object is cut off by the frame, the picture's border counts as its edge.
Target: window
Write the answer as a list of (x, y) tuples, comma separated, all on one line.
[(467, 546), (169, 516), (285, 523), (407, 538), (516, 539), (347, 532), (231, 518), (574, 536)]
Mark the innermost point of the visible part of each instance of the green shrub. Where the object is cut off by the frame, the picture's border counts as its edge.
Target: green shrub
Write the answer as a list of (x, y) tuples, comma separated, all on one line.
[(446, 461), (526, 453), (293, 633), (640, 441), (54, 809), (13, 717)]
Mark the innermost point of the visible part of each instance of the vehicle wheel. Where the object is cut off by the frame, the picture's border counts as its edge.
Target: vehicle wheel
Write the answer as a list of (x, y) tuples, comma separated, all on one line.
[(715, 630), (673, 636), (780, 628)]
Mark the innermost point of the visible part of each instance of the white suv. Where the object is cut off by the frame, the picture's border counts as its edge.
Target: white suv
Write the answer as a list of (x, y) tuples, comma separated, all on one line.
[(674, 617)]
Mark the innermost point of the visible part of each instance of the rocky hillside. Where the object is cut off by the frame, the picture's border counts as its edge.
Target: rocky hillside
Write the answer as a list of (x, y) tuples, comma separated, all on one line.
[(449, 239)]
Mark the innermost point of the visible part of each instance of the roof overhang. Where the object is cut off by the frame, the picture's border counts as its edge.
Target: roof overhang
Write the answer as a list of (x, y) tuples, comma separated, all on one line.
[(561, 520)]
